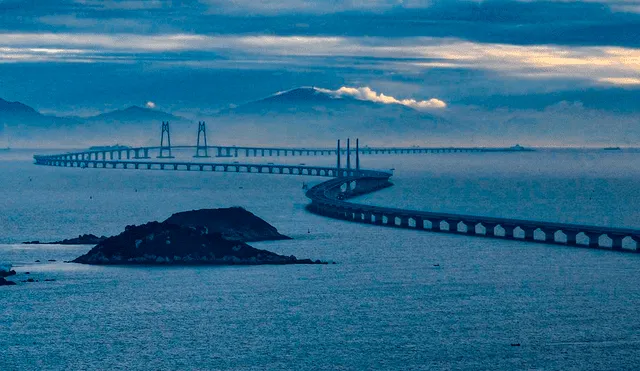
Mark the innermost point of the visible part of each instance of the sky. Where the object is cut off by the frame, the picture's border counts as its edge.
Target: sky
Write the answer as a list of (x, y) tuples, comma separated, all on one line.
[(502, 58)]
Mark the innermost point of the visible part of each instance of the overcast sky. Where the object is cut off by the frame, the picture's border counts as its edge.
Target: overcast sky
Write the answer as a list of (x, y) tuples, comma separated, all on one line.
[(84, 56)]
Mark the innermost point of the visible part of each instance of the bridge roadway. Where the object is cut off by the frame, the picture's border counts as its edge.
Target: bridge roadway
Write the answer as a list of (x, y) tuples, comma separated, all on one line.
[(330, 199), (141, 153)]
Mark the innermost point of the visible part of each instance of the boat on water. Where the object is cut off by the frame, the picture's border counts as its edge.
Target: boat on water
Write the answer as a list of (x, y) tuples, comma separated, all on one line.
[(518, 147), (612, 149)]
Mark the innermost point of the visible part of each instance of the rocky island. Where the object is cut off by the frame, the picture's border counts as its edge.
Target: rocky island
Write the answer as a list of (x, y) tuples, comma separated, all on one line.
[(233, 223), (85, 239), (6, 271), (194, 237)]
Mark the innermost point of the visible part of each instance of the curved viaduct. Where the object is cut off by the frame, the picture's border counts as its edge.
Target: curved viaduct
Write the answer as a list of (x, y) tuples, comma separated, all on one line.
[(330, 199)]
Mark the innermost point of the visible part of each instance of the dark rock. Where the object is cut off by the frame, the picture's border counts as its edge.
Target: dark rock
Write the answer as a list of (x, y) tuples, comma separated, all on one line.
[(31, 280), (52, 260), (4, 282), (85, 239), (234, 223), (27, 272), (37, 261), (49, 280), (167, 243), (8, 273)]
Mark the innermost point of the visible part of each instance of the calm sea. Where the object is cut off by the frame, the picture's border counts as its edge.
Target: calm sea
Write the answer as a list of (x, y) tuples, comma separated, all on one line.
[(395, 300)]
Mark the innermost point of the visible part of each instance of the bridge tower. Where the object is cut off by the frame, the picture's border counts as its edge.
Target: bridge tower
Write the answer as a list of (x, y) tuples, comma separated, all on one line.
[(338, 157), (348, 156), (165, 148), (202, 133), (357, 154)]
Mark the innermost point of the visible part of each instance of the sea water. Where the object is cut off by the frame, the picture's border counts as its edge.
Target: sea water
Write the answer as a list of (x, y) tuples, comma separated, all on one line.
[(394, 300)]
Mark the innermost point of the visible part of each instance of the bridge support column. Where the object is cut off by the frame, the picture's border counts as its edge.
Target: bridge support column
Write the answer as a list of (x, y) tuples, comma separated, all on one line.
[(636, 239), (419, 223), (509, 230), (471, 227), (549, 235), (616, 242), (348, 156), (529, 233), (338, 160), (489, 229), (202, 150), (435, 225), (594, 239), (571, 237), (165, 148), (453, 225)]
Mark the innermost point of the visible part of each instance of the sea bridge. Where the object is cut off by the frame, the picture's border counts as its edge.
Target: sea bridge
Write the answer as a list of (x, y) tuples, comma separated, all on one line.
[(141, 153), (331, 197)]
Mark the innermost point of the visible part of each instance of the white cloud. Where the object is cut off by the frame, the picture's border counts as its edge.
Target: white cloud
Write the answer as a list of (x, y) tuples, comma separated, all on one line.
[(150, 104), (621, 80), (602, 64), (366, 93)]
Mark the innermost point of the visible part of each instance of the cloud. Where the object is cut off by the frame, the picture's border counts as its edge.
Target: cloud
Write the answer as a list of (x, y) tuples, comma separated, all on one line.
[(624, 81), (366, 93), (602, 65), (150, 105)]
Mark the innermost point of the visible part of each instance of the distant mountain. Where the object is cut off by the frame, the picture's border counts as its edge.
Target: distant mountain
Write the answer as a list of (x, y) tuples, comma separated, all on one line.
[(16, 109), (24, 126), (308, 114), (134, 114), (20, 118)]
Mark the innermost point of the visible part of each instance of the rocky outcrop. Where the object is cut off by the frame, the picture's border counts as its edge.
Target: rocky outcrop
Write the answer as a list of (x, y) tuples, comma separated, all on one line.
[(168, 243), (4, 282), (6, 271), (234, 223), (85, 239)]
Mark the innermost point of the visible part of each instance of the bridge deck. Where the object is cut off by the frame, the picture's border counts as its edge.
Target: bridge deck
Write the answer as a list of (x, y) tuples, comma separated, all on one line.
[(329, 199)]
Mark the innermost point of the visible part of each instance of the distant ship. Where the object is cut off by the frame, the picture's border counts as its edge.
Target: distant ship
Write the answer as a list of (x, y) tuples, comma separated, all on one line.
[(518, 147), (612, 149)]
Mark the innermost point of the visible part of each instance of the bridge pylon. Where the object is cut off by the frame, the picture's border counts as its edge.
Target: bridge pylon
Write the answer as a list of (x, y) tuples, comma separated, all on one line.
[(357, 154), (338, 159), (165, 148), (202, 150), (348, 155)]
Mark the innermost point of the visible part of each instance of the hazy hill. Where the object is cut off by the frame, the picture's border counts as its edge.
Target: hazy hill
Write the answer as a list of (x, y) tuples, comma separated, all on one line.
[(134, 114), (23, 126), (309, 115)]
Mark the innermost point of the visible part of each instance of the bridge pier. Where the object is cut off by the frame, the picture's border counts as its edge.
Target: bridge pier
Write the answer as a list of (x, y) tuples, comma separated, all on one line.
[(594, 239), (453, 224), (571, 237), (435, 225), (529, 233), (616, 242), (470, 227), (489, 229), (509, 231)]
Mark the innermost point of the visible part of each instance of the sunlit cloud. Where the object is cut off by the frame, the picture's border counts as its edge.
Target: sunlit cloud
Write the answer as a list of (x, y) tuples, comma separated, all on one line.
[(621, 80), (612, 65), (367, 94)]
